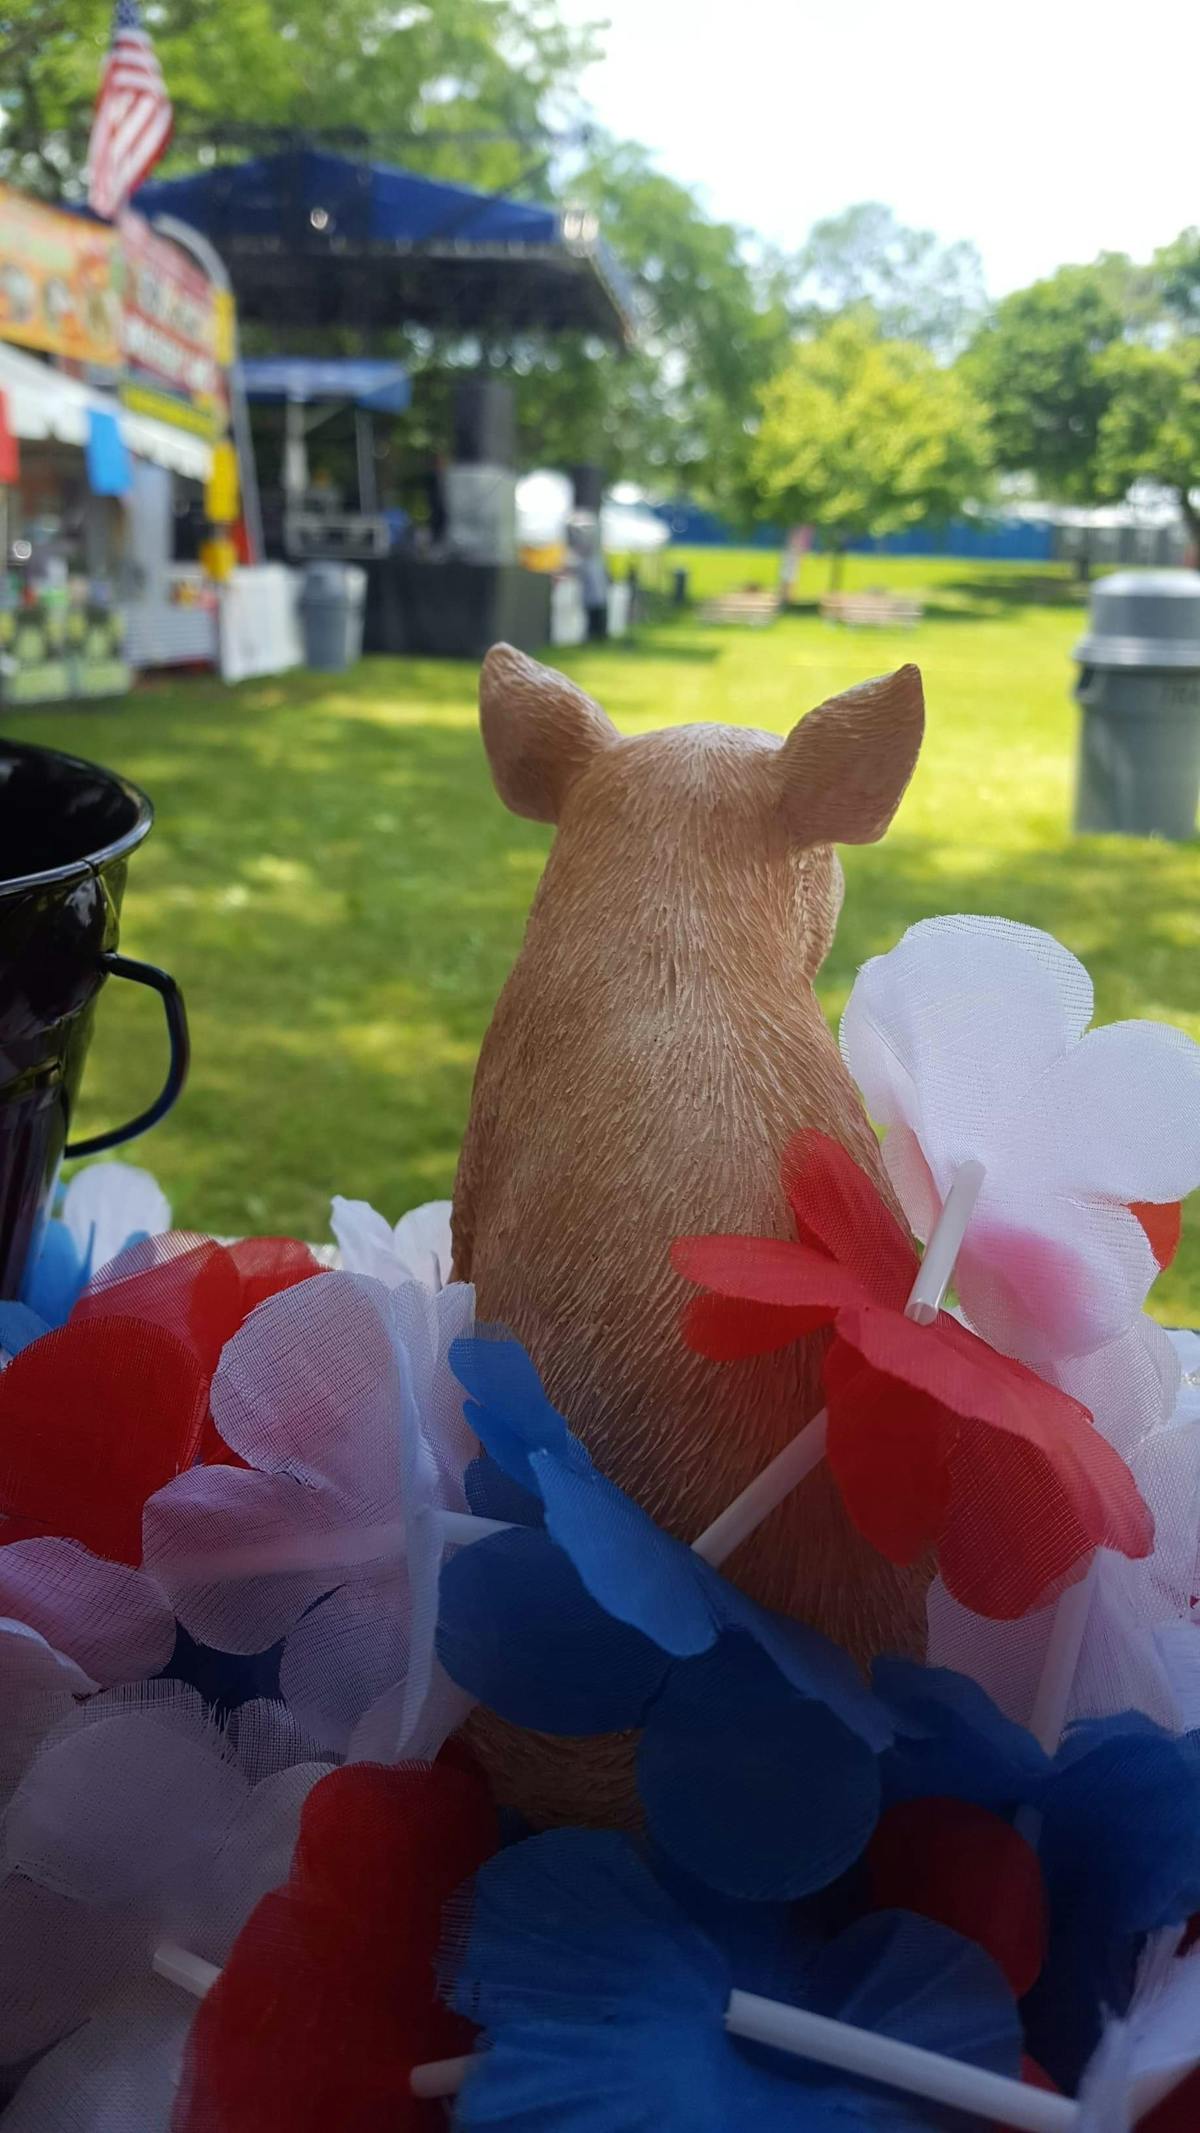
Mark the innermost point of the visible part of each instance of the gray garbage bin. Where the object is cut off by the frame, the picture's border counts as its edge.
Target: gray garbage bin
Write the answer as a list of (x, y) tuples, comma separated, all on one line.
[(331, 605), (1139, 686)]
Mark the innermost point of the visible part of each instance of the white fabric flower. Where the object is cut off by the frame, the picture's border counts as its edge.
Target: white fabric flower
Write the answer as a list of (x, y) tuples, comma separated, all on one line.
[(106, 1205), (1140, 1649), (116, 2073), (112, 1622), (135, 1820), (339, 1395), (970, 1040), (29, 1664), (417, 1249), (1150, 2048)]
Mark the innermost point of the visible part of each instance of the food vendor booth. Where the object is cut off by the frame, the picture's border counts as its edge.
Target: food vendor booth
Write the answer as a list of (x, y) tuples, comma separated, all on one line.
[(118, 479)]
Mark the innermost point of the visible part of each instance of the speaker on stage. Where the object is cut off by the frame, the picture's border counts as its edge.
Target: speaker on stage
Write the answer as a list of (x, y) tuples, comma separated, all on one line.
[(485, 423), (588, 484)]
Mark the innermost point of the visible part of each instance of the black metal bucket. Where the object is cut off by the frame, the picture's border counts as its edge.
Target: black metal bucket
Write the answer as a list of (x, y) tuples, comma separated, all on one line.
[(67, 829)]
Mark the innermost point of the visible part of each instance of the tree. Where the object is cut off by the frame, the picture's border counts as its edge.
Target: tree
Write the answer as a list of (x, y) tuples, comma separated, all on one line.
[(1035, 365), (1176, 276), (460, 87), (917, 288), (861, 435), (463, 89), (1150, 430), (681, 409)]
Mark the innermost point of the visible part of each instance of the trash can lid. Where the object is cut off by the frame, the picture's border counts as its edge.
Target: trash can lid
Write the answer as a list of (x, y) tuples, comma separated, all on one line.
[(343, 582), (332, 579), (1144, 618)]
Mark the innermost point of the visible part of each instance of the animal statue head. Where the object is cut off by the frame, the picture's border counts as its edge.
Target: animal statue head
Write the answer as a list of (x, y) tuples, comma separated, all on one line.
[(656, 1045), (695, 810)]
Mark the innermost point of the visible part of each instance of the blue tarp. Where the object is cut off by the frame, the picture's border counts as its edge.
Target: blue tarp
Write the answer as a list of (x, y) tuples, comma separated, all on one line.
[(367, 203), (318, 240), (383, 387)]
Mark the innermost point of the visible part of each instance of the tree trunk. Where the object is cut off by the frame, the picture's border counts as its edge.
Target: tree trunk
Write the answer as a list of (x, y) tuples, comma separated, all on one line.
[(837, 566), (1191, 519)]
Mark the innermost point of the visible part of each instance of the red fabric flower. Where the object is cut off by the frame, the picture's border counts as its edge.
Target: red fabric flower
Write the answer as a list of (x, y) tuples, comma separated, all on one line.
[(199, 1290), (101, 1413), (329, 1998), (934, 1439), (1179, 2112), (1163, 1225), (93, 1419), (969, 1870)]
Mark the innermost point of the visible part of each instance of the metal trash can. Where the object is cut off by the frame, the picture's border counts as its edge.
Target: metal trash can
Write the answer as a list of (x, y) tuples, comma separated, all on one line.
[(331, 606), (1139, 688)]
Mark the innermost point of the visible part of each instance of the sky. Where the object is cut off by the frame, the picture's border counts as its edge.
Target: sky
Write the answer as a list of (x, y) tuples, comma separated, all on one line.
[(1045, 130)]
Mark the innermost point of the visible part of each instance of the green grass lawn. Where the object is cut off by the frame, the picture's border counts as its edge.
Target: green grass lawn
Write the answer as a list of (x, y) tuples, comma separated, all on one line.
[(340, 893)]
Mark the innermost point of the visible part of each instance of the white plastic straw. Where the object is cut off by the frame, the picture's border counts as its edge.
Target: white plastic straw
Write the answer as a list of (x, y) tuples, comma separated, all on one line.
[(937, 1266), (439, 2077), (462, 1526), (180, 1967), (902, 2066), (852, 2051), (807, 1449), (1059, 1667), (746, 1513)]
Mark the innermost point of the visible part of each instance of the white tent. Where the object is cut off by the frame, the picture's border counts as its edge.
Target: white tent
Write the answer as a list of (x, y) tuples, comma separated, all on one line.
[(545, 503)]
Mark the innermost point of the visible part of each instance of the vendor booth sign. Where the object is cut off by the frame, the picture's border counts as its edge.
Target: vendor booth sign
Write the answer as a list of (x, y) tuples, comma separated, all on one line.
[(59, 283), (175, 330)]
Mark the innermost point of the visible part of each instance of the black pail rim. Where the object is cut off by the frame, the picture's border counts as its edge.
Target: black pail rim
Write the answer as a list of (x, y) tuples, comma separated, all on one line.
[(91, 862)]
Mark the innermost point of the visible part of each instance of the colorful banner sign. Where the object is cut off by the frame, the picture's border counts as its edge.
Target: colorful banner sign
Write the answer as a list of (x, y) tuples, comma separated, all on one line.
[(60, 282), (125, 302), (172, 330)]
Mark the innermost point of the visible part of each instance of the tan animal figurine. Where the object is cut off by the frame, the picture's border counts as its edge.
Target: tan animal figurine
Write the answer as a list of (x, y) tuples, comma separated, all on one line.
[(653, 1050)]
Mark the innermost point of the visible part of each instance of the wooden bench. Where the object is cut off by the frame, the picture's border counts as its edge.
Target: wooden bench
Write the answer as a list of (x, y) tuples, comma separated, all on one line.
[(873, 609), (752, 607)]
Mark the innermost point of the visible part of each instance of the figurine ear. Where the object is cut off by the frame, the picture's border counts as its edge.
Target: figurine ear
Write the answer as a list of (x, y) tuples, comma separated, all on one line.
[(539, 730), (844, 768)]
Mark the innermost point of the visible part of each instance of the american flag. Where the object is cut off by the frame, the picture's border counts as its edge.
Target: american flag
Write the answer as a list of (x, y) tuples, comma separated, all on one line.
[(133, 118)]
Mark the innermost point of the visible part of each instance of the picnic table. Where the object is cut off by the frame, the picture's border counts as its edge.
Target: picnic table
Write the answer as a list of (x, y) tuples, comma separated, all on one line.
[(875, 608), (751, 606)]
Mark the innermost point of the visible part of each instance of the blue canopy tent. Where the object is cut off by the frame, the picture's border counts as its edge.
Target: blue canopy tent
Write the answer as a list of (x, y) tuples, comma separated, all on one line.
[(312, 239), (312, 389), (380, 388)]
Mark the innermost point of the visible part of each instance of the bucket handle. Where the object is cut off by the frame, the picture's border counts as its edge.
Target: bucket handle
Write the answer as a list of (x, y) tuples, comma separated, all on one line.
[(159, 981)]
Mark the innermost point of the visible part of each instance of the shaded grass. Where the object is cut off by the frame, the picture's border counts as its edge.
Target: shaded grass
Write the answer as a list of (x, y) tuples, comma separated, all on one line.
[(340, 893)]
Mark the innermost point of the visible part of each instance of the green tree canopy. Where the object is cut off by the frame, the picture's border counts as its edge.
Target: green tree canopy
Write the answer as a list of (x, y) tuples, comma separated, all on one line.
[(714, 328), (493, 73), (862, 435), (1150, 430), (476, 90), (917, 288), (1175, 274), (1035, 366)]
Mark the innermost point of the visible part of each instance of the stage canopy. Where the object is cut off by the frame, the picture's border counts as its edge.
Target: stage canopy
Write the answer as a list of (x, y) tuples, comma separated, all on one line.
[(312, 239), (381, 387)]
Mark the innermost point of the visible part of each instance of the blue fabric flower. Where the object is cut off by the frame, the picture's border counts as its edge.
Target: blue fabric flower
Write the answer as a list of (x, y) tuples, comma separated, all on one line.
[(758, 1763), (1120, 1838), (56, 1275), (638, 1574), (951, 1741), (106, 1208), (1118, 1807), (605, 2004), (1117, 1831), (18, 1327)]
